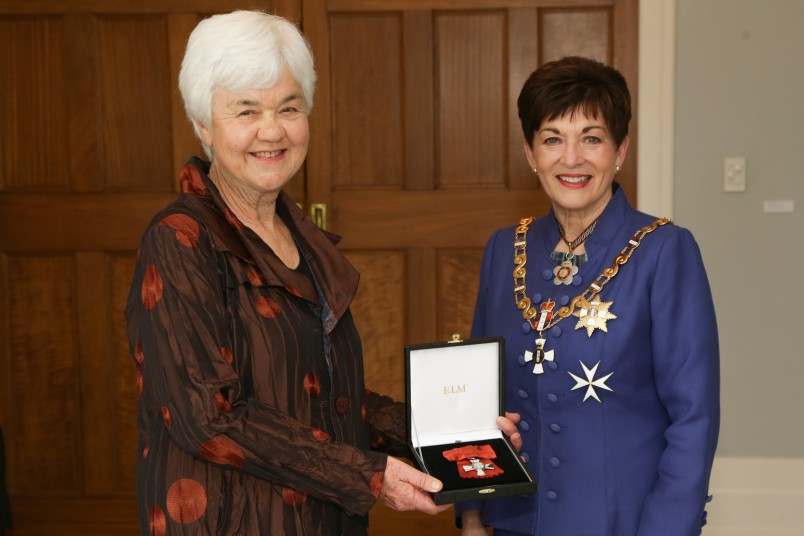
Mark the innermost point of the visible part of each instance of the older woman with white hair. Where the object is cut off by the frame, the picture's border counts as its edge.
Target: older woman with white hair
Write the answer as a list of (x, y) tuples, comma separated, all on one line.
[(253, 416)]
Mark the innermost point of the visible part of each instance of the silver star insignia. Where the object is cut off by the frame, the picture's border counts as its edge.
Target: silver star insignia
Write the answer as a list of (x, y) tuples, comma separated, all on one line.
[(590, 383)]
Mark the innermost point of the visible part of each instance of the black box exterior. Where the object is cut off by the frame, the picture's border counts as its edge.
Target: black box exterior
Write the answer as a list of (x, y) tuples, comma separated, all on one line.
[(454, 392)]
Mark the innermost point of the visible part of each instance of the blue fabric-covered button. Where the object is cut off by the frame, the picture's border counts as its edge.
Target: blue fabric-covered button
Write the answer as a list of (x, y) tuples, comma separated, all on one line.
[(525, 456), (555, 428), (526, 327), (521, 360), (552, 495), (552, 365), (523, 394), (555, 331), (547, 275), (564, 300), (524, 426), (577, 280), (536, 297), (554, 462), (551, 397)]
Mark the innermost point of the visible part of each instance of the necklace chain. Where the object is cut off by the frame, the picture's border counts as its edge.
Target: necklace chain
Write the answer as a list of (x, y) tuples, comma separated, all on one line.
[(581, 237), (523, 302)]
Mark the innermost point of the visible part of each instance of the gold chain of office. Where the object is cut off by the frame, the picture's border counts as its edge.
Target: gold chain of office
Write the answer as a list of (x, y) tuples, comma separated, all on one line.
[(523, 303)]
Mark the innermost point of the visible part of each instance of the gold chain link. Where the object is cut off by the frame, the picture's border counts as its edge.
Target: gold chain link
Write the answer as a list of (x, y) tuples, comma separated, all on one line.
[(523, 303)]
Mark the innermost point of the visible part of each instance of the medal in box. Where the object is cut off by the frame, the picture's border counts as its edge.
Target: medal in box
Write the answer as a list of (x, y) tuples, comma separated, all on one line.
[(454, 396)]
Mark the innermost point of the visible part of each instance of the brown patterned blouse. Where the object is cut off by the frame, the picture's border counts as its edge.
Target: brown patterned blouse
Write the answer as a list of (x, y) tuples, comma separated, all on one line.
[(253, 416)]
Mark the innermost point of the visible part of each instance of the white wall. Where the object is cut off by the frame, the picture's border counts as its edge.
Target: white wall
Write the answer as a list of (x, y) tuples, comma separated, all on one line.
[(740, 91), (726, 78)]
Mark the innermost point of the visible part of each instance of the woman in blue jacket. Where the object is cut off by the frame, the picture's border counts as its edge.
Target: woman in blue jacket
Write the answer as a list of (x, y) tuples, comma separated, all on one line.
[(611, 339)]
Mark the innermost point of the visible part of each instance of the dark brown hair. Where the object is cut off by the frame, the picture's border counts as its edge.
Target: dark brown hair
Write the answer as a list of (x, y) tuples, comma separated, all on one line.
[(574, 84)]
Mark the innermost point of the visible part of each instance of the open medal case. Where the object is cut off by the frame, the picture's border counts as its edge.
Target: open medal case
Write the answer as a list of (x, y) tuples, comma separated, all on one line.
[(454, 395)]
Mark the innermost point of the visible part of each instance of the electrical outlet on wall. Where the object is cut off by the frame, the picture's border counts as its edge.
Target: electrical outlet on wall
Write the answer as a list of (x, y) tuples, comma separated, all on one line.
[(734, 178)]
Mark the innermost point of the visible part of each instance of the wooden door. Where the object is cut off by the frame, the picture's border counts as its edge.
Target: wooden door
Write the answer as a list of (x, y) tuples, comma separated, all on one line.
[(92, 134), (417, 152)]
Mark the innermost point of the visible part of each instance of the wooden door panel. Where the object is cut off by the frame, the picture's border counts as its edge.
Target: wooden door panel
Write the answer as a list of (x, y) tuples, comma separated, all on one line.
[(386, 522), (569, 32), (32, 104), (136, 148), (457, 282), (43, 373), (470, 98), (65, 515), (97, 393), (123, 375), (379, 312), (367, 93)]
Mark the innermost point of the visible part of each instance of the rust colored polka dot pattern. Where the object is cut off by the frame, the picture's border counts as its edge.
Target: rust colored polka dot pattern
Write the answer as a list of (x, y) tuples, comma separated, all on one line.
[(376, 483), (293, 290), (377, 441), (342, 405), (186, 228), (166, 417), (268, 307), (320, 435), (191, 181), (255, 278), (222, 402), (293, 497), (156, 518), (138, 355), (232, 219), (227, 354), (222, 450), (145, 449), (151, 287), (186, 501), (311, 385)]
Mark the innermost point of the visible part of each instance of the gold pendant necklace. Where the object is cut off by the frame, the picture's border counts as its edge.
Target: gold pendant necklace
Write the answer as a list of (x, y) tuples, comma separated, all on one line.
[(592, 313)]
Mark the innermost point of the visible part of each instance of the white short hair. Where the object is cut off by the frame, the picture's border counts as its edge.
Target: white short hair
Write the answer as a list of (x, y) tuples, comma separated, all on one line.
[(241, 50)]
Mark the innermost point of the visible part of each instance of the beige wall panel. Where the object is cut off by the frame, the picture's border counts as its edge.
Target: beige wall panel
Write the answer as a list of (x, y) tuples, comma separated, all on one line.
[(470, 67), (125, 377), (44, 420), (366, 96), (379, 312), (576, 32), (135, 99), (33, 138), (458, 281)]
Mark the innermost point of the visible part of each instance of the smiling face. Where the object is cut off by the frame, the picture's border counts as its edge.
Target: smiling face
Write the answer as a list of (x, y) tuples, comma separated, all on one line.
[(576, 158), (259, 138)]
